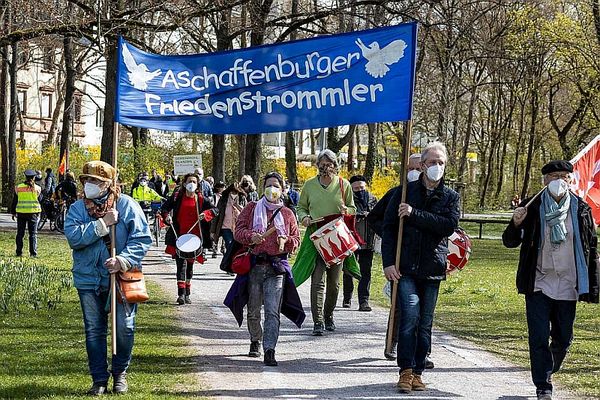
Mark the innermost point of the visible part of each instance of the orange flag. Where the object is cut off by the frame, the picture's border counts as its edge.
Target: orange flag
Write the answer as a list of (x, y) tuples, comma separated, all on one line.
[(586, 174), (62, 168)]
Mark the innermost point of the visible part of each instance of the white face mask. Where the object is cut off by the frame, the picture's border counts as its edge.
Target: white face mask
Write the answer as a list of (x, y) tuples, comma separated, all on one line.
[(191, 187), (92, 191), (144, 183), (413, 175), (558, 187), (435, 172), (272, 193)]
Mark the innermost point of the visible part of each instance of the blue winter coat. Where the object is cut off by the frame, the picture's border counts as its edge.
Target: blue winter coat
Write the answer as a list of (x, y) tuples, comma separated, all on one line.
[(89, 249)]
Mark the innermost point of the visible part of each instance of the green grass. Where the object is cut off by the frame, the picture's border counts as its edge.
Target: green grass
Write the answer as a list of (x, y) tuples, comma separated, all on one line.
[(481, 304), (42, 353)]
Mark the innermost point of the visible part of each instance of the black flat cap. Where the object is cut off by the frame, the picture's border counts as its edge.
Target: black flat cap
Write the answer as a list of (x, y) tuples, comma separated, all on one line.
[(557, 166), (358, 178)]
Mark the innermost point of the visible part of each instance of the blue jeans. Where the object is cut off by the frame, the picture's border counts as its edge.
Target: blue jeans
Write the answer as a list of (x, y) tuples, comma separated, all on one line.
[(227, 238), (30, 222), (417, 299), (548, 319), (264, 286), (95, 309)]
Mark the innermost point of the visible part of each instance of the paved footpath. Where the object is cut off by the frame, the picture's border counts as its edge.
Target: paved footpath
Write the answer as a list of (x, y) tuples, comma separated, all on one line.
[(346, 364)]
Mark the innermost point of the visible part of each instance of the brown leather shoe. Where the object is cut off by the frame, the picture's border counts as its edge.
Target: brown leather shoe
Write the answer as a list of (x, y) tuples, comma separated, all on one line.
[(417, 383), (405, 381)]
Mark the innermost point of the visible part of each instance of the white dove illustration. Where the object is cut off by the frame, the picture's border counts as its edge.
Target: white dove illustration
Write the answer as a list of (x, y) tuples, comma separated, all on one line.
[(378, 59), (139, 74)]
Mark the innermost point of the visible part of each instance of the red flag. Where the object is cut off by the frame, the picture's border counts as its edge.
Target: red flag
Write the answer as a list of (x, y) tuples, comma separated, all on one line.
[(62, 168), (586, 173)]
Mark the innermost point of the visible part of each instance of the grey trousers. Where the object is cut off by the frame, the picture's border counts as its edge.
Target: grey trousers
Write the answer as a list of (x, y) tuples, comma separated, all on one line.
[(264, 286), (317, 290)]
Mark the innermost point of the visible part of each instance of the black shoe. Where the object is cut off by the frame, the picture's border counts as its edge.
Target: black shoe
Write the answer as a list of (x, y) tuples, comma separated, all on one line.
[(98, 389), (120, 383), (187, 299), (346, 303), (270, 358), (391, 355), (329, 325), (180, 300), (364, 306), (428, 363), (544, 394), (254, 349), (318, 329)]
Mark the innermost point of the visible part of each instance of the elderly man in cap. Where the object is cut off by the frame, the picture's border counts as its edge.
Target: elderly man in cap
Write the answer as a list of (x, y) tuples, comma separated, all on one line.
[(87, 230), (557, 268)]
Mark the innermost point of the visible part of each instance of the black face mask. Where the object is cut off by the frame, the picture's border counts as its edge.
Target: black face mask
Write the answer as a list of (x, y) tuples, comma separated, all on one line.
[(361, 197)]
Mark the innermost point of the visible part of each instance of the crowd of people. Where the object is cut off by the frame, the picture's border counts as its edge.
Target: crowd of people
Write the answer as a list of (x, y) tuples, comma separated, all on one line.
[(555, 229)]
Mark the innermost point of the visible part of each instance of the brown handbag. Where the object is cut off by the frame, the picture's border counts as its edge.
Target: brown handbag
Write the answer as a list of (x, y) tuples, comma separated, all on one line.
[(132, 286)]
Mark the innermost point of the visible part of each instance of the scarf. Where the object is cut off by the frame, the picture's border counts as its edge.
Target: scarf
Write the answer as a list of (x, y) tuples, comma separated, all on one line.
[(555, 216), (583, 284), (97, 208), (259, 224)]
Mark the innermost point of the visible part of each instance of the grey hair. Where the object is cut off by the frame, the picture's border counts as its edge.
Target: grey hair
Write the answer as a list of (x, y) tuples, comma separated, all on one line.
[(439, 146), (328, 154), (413, 156)]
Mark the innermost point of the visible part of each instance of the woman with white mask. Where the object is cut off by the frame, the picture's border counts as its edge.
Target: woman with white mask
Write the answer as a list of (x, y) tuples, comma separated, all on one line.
[(189, 207), (270, 275)]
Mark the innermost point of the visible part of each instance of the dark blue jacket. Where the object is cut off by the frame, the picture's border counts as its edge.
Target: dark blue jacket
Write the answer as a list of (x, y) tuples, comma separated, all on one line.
[(426, 230)]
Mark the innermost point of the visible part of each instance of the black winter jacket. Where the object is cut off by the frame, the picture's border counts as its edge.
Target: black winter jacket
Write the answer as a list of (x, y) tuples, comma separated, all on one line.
[(527, 235), (426, 230)]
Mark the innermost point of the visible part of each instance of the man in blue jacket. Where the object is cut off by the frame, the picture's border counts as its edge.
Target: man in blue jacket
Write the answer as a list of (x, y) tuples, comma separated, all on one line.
[(431, 214), (87, 230)]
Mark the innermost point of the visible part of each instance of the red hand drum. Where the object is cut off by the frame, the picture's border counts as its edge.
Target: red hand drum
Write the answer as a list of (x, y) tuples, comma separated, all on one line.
[(459, 246), (334, 241)]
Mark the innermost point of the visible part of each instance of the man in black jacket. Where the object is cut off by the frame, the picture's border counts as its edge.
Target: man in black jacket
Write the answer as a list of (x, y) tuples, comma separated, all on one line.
[(431, 214), (364, 202), (557, 267)]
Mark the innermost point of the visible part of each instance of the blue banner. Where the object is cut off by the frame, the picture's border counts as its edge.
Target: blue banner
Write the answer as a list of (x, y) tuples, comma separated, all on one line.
[(351, 78)]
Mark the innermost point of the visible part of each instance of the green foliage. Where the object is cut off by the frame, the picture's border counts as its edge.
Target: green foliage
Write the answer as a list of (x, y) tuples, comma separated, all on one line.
[(24, 285)]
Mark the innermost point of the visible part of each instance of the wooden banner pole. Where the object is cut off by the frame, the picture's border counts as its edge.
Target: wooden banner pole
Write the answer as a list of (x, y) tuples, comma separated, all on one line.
[(113, 251), (403, 176)]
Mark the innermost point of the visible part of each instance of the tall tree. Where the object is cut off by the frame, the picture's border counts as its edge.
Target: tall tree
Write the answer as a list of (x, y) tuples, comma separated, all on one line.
[(69, 105)]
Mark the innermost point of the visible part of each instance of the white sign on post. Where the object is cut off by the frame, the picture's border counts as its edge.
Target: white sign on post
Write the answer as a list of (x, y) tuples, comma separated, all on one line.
[(186, 164)]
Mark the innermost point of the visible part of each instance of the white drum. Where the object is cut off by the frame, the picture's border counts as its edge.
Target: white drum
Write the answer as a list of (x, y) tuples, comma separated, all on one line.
[(189, 246), (334, 241)]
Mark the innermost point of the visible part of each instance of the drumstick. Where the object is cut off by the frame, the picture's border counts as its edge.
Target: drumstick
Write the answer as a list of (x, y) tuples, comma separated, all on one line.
[(268, 232), (314, 221), (534, 197)]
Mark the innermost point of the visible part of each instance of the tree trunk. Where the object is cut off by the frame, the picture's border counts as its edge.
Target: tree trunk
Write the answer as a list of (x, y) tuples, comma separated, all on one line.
[(108, 133), (253, 156), (218, 158), (241, 144), (527, 173), (351, 152), (290, 157), (6, 188), (12, 121), (371, 152), (68, 112), (468, 131)]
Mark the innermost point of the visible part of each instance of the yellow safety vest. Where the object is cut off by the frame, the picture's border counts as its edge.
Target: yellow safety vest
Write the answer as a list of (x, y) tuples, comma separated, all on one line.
[(27, 200), (144, 193)]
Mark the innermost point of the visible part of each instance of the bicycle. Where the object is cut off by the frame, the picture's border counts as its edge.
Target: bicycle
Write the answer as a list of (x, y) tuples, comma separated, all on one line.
[(63, 208), (49, 213), (151, 211)]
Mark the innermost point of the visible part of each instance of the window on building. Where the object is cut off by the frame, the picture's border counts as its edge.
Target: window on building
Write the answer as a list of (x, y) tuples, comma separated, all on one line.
[(77, 108), (99, 117), (23, 55), (48, 58), (46, 105), (22, 97)]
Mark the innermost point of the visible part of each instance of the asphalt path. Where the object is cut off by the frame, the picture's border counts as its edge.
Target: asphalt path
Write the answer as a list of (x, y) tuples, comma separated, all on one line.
[(345, 364)]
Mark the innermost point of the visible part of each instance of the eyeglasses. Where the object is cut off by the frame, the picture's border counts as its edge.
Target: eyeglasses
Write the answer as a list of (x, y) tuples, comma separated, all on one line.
[(558, 175)]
